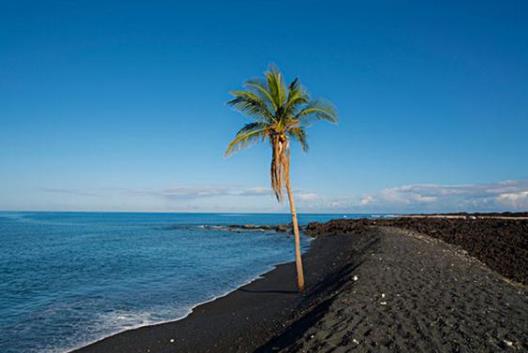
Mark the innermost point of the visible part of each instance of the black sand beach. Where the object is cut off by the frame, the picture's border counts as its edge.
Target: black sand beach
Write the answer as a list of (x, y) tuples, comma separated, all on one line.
[(372, 288), (248, 317), (414, 293)]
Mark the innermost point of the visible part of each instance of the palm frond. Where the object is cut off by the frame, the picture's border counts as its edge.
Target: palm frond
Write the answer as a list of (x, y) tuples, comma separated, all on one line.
[(262, 89), (299, 134), (319, 110), (250, 133), (276, 86), (251, 104), (296, 96)]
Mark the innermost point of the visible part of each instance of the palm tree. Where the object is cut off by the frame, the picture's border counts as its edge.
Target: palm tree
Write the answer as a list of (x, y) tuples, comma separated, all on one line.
[(279, 114)]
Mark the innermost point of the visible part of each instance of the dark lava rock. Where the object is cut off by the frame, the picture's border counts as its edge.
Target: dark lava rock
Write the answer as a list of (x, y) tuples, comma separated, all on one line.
[(337, 227), (281, 228)]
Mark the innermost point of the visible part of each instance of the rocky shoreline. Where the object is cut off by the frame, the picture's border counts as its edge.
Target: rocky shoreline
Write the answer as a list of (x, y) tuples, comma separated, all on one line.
[(279, 228)]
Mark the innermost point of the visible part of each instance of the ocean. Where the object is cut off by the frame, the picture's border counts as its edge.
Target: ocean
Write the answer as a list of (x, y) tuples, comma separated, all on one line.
[(70, 278)]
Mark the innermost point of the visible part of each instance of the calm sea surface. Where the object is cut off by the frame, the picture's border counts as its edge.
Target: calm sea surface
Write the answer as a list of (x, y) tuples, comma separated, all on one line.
[(68, 279)]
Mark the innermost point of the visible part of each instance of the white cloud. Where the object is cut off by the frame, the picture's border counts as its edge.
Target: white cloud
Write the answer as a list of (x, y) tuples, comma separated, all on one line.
[(185, 192), (306, 196), (178, 192), (514, 200), (505, 195), (366, 200), (510, 195)]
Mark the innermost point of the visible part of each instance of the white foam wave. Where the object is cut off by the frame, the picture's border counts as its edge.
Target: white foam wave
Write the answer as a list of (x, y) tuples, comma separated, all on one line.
[(118, 321)]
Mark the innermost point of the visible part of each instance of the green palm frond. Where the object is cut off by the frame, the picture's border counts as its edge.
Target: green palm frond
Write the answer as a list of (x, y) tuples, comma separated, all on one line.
[(296, 97), (276, 87), (318, 110), (262, 89), (251, 104), (299, 134), (250, 133)]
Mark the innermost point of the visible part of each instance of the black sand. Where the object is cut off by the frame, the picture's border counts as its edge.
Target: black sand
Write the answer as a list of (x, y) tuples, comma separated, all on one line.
[(414, 293)]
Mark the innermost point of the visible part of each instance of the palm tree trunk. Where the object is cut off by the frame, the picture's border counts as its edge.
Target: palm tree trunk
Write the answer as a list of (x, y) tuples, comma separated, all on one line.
[(295, 224)]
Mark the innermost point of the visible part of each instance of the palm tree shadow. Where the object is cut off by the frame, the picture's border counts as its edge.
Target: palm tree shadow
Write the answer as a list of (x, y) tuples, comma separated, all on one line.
[(318, 301), (268, 291)]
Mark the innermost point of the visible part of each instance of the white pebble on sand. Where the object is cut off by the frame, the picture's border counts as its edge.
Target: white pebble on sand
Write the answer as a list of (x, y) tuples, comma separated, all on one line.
[(383, 303), (355, 278), (172, 340)]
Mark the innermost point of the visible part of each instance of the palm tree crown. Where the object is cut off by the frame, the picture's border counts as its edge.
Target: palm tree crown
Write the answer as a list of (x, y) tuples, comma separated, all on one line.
[(280, 113)]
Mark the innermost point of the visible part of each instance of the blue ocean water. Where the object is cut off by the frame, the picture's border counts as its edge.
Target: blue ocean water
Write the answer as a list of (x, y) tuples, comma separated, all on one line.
[(68, 279)]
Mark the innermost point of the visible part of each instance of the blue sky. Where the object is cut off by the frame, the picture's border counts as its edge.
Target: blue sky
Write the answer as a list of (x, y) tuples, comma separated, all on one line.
[(112, 105)]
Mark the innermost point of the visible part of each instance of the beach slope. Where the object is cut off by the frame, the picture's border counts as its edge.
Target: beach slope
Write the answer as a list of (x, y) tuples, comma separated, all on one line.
[(414, 293)]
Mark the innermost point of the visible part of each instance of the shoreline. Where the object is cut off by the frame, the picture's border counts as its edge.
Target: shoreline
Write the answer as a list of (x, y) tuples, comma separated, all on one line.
[(372, 286), (257, 310), (190, 311)]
